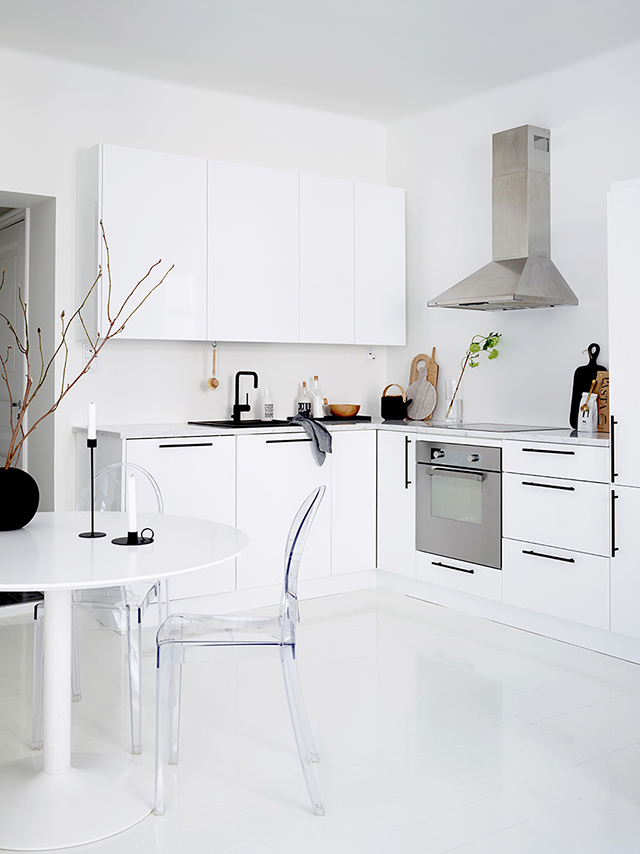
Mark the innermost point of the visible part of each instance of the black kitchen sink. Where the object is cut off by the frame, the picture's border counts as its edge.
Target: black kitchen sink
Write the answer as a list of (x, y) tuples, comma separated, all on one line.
[(249, 422)]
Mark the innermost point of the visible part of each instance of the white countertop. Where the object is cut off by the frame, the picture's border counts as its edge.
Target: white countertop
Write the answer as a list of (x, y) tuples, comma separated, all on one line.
[(559, 435)]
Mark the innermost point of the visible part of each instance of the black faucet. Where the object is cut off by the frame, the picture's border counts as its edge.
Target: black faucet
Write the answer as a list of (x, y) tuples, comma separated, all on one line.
[(238, 407)]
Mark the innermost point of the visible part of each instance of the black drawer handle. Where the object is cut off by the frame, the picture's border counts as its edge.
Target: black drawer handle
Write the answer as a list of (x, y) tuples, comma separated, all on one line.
[(189, 445), (457, 568), (548, 486), (285, 441), (548, 451), (549, 557)]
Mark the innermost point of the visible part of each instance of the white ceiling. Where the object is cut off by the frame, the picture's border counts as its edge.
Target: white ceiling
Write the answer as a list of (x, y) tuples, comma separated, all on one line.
[(377, 59)]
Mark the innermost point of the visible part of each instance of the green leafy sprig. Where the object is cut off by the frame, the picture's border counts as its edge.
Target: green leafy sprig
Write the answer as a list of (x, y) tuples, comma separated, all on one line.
[(479, 344)]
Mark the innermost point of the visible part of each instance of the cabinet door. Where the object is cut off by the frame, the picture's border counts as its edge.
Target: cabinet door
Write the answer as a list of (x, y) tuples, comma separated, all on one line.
[(326, 260), (570, 514), (196, 477), (275, 473), (253, 253), (562, 583), (625, 575), (624, 309), (380, 284), (396, 503), (353, 506), (154, 207)]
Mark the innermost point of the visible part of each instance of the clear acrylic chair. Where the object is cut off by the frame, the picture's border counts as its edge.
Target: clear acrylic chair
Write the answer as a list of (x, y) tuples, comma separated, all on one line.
[(121, 607), (191, 637)]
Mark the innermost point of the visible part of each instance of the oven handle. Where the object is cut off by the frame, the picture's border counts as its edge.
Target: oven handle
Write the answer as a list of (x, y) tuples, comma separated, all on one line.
[(441, 471)]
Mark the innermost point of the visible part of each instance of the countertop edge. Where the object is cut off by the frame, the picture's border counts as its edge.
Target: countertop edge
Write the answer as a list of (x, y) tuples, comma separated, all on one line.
[(563, 436)]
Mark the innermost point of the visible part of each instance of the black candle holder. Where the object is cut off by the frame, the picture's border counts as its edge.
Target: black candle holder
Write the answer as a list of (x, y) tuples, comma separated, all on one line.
[(92, 444), (133, 539)]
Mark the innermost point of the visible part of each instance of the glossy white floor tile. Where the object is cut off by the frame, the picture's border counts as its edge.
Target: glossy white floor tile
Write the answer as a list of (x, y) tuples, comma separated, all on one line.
[(437, 732)]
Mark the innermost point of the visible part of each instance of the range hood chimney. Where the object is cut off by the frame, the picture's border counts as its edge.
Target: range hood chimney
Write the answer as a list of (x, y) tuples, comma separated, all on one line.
[(522, 274)]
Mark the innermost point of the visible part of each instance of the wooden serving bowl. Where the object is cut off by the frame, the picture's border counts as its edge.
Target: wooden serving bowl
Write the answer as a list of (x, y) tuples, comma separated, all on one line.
[(344, 410)]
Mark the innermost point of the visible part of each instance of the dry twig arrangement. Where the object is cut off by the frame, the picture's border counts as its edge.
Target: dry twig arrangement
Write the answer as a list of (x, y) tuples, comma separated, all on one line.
[(116, 322)]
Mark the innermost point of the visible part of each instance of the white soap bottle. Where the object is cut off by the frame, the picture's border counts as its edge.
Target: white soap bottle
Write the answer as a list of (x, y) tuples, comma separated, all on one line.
[(303, 402), (317, 400), (266, 406)]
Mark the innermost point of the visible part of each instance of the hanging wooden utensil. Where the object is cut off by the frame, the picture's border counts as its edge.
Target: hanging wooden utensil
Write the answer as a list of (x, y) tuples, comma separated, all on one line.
[(420, 391), (213, 381)]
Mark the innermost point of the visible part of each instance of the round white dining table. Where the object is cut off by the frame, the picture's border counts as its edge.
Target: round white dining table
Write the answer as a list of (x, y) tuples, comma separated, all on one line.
[(58, 799)]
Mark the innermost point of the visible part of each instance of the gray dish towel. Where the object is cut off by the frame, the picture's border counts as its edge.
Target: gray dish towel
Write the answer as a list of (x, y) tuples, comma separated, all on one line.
[(319, 435)]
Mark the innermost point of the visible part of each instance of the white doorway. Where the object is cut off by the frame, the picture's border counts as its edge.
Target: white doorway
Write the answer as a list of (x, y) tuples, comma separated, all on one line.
[(38, 257), (12, 381)]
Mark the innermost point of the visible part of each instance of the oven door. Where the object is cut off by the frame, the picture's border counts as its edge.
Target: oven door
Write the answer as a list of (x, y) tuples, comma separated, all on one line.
[(458, 514)]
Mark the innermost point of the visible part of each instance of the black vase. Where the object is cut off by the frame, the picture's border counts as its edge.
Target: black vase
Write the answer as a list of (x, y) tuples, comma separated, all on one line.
[(19, 498)]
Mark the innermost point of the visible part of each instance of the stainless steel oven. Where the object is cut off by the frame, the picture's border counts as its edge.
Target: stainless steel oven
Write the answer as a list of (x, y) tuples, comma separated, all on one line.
[(459, 502)]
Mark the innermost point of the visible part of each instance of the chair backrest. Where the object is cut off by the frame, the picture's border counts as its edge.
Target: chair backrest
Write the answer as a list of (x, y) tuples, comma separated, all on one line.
[(110, 490), (298, 533)]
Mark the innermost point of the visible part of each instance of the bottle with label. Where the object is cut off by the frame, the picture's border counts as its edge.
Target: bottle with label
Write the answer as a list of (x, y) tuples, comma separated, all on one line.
[(266, 406), (317, 400), (303, 402)]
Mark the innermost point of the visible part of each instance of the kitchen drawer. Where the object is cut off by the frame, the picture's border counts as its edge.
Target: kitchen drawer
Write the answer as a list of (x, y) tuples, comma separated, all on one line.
[(558, 582), (577, 462), (459, 575), (570, 514)]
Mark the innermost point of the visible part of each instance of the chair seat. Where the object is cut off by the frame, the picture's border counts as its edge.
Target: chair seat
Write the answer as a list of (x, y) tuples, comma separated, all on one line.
[(203, 629)]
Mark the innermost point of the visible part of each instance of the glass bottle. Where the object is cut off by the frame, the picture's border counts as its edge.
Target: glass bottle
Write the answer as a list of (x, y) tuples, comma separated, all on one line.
[(317, 400), (303, 402)]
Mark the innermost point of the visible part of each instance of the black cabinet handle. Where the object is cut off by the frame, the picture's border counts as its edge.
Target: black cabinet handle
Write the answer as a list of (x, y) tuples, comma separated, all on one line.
[(548, 451), (549, 557), (612, 424), (614, 547), (548, 486), (285, 441), (457, 568), (407, 482), (189, 445)]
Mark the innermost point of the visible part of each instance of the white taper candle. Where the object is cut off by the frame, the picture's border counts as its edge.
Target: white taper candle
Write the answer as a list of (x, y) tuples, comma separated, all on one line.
[(91, 429), (131, 504)]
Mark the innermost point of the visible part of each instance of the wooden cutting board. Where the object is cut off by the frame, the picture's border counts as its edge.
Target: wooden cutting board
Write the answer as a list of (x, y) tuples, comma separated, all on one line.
[(422, 387)]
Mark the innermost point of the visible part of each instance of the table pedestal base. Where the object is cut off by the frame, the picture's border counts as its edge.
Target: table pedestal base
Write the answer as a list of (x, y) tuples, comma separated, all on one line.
[(99, 796)]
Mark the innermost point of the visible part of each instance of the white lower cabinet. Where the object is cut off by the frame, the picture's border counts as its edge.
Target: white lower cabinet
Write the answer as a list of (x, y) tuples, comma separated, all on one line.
[(563, 583), (196, 477), (275, 473), (459, 575), (625, 564), (397, 503), (353, 501), (572, 514)]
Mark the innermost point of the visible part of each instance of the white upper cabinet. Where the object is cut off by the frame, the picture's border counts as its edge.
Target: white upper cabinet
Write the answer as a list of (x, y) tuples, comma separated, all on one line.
[(327, 304), (379, 265), (253, 254), (624, 309), (154, 207), (260, 254)]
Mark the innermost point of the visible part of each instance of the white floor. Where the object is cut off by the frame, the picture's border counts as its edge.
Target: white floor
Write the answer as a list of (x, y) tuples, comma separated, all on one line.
[(437, 732)]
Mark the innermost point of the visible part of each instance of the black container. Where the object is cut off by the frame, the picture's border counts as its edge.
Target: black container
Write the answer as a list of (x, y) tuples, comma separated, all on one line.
[(393, 407)]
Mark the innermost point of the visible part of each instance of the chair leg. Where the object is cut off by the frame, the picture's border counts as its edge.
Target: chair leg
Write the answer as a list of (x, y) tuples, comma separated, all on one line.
[(134, 644), (301, 726), (37, 742), (163, 690), (76, 695), (175, 697)]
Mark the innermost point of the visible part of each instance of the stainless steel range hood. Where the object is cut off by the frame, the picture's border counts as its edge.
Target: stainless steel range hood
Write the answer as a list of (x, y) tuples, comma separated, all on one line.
[(522, 274)]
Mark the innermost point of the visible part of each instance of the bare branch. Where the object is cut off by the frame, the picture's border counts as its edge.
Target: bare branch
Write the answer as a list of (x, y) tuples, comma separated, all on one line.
[(131, 304)]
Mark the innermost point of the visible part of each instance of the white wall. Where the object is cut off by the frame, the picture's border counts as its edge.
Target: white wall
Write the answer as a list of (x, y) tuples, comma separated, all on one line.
[(53, 109), (443, 159)]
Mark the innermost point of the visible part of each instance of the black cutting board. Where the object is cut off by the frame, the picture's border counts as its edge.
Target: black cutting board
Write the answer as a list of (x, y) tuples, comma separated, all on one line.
[(582, 379)]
